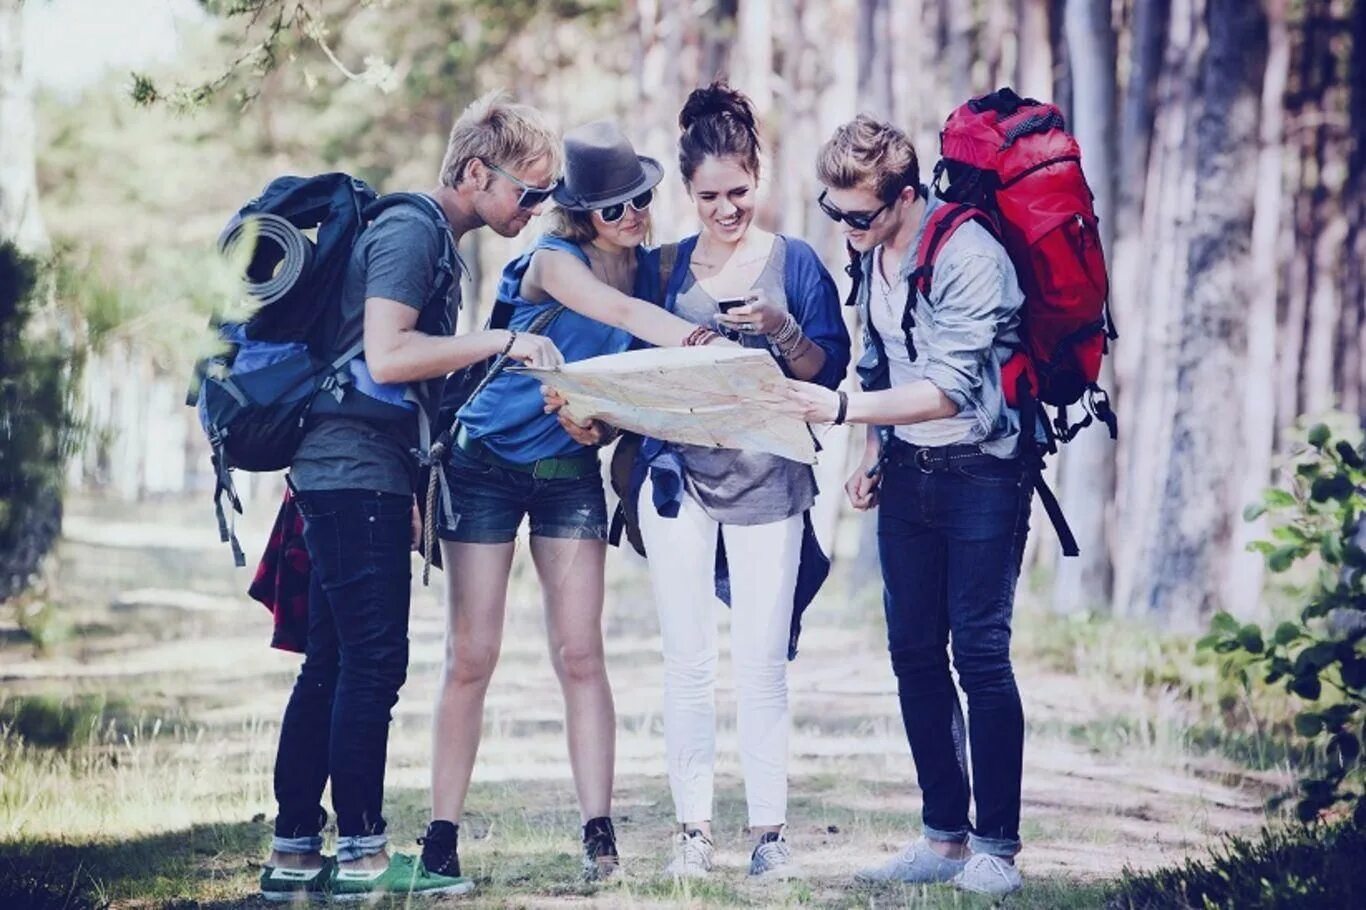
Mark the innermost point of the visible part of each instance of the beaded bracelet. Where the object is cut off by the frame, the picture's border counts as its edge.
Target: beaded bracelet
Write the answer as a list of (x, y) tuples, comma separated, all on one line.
[(786, 332)]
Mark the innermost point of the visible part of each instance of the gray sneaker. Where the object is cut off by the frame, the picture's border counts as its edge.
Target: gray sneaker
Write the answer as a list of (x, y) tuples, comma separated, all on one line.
[(693, 852), (772, 857), (987, 874), (916, 863)]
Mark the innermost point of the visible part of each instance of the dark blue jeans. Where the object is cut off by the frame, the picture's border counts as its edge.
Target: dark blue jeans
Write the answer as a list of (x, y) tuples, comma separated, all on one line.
[(950, 543), (337, 723)]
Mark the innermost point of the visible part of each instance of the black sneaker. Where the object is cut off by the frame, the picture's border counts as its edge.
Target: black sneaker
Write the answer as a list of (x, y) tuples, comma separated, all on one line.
[(600, 860), (440, 855)]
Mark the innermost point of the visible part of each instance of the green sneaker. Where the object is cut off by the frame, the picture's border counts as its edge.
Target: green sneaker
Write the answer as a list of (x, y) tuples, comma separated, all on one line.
[(404, 875), (282, 885)]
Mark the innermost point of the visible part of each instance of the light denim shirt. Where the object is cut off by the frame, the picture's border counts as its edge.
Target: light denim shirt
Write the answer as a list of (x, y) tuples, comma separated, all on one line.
[(964, 331)]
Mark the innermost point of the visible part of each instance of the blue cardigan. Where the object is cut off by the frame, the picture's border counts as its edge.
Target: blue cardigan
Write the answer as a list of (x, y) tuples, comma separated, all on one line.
[(813, 299)]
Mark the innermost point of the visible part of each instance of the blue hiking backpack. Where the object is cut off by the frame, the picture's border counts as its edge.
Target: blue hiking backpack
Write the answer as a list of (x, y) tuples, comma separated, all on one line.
[(255, 396)]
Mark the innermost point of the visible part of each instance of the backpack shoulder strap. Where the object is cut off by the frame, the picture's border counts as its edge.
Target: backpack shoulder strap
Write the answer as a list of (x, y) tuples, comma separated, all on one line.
[(943, 221), (668, 258)]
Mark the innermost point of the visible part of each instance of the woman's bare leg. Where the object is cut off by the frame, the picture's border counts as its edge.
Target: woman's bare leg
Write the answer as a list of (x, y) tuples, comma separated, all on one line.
[(476, 600)]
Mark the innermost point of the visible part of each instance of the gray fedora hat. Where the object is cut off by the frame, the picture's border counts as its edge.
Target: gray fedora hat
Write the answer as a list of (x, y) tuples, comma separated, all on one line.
[(601, 168)]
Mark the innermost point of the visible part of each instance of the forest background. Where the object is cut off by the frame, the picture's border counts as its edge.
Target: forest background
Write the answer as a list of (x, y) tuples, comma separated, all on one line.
[(1225, 142)]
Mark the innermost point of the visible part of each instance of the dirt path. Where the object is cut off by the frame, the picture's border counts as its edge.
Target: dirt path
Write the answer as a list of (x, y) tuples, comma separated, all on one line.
[(202, 657)]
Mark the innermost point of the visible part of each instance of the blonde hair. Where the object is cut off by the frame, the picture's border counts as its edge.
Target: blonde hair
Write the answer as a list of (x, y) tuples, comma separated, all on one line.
[(498, 131), (576, 227), (868, 153)]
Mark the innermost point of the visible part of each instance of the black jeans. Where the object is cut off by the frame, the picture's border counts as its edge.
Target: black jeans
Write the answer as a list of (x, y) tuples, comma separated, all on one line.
[(950, 543), (337, 722)]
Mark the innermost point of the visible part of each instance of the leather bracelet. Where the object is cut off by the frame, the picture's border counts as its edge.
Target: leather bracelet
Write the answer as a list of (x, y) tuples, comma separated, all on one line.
[(797, 350), (843, 408), (699, 336)]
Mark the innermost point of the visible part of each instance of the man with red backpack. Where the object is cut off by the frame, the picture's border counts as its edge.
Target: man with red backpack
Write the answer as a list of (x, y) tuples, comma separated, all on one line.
[(943, 460), (981, 304)]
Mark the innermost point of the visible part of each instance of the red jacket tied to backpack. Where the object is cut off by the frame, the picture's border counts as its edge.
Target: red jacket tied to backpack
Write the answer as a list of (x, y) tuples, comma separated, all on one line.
[(1011, 164)]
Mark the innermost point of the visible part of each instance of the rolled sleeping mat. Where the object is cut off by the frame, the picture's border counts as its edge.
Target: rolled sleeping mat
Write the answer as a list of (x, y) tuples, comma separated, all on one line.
[(282, 256)]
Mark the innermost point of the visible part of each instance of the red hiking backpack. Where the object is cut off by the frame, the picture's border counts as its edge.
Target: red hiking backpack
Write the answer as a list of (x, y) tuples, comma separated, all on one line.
[(1011, 165)]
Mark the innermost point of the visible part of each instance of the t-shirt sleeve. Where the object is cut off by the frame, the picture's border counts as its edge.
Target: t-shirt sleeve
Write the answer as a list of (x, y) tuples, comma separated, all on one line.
[(401, 254)]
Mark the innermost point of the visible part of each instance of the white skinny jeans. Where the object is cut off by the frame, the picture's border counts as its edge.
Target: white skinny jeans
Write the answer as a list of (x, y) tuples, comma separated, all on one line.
[(763, 578)]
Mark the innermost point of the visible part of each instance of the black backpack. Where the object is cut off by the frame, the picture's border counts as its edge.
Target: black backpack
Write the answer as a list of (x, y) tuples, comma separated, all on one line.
[(255, 395)]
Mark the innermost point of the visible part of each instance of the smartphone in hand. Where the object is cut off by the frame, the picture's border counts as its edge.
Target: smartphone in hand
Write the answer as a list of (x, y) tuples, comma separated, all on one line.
[(726, 304)]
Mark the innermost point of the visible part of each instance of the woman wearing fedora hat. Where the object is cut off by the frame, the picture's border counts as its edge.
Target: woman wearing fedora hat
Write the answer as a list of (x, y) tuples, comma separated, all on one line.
[(510, 460)]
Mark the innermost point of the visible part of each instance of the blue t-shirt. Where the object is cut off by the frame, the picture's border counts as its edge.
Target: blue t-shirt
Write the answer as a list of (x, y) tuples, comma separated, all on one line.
[(509, 415)]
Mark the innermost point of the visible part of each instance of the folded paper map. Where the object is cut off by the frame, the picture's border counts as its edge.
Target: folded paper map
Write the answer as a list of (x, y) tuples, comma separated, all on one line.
[(724, 397)]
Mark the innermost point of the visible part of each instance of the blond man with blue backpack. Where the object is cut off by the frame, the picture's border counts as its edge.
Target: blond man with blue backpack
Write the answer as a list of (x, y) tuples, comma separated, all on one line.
[(360, 345)]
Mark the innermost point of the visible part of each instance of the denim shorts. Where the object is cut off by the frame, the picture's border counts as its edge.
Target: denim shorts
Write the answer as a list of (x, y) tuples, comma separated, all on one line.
[(488, 503)]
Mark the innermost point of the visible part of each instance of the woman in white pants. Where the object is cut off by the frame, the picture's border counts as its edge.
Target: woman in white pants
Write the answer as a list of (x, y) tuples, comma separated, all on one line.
[(774, 294)]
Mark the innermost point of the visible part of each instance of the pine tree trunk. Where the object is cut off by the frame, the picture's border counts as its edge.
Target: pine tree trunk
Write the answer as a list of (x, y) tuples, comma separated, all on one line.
[(1200, 491), (1243, 583), (1087, 467), (1149, 281), (874, 58), (1034, 54)]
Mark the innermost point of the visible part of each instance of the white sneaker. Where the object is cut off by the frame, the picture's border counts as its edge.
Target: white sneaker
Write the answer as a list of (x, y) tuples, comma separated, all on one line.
[(772, 857), (916, 863), (693, 852), (987, 874)]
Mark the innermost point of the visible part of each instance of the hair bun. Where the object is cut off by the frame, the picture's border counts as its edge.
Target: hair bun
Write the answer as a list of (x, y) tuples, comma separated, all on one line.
[(717, 100)]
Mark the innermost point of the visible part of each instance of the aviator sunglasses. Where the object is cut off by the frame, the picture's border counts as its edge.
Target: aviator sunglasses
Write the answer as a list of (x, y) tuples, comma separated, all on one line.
[(532, 196), (859, 221), (614, 212)]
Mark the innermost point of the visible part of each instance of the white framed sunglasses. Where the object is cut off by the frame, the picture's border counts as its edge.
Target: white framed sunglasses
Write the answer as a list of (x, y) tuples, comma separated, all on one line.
[(532, 196), (639, 202)]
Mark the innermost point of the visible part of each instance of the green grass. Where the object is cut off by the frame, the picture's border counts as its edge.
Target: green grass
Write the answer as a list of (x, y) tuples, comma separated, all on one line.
[(141, 785)]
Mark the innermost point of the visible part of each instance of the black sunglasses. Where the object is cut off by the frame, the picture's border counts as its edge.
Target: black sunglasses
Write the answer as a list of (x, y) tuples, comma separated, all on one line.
[(614, 212), (859, 221), (532, 196)]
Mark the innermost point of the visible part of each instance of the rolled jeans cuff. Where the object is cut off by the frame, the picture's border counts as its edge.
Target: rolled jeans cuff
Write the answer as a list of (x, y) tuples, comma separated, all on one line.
[(946, 837), (312, 844), (994, 846), (350, 849)]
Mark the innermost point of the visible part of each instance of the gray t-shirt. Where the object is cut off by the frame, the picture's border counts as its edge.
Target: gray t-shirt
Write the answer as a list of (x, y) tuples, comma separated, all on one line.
[(397, 257), (733, 486)]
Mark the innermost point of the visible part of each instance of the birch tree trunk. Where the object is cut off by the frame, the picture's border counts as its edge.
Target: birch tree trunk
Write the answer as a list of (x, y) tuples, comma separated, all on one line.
[(1243, 582), (1199, 501), (1087, 468)]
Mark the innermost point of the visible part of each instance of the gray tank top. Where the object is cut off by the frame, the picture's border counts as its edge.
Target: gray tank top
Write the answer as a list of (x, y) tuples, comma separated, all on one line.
[(735, 487)]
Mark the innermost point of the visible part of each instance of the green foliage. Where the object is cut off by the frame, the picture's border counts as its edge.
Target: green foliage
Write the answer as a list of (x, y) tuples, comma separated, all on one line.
[(1321, 657), (38, 426), (55, 723), (1302, 867)]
